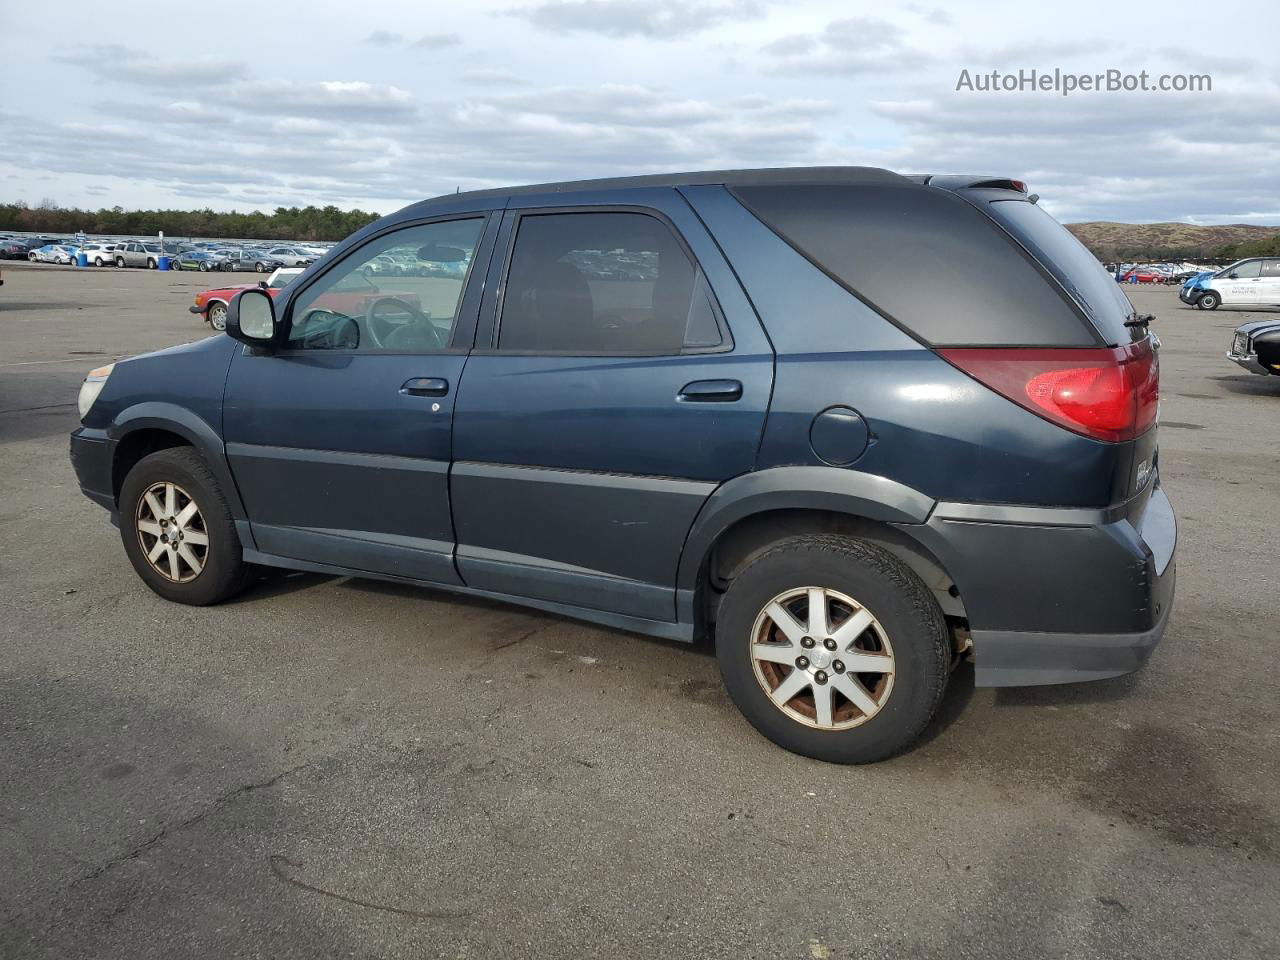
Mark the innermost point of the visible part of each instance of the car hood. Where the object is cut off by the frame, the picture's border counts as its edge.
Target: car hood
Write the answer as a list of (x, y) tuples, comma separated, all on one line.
[(1255, 327)]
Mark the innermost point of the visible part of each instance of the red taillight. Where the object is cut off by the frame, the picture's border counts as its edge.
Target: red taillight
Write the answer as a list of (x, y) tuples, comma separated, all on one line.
[(1105, 393)]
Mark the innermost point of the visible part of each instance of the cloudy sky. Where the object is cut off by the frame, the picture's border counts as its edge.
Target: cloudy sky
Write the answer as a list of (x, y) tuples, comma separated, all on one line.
[(240, 105)]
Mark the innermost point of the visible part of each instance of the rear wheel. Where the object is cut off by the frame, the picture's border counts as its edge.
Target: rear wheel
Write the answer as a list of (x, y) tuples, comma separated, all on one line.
[(204, 266), (97, 261), (151, 264), (177, 529), (1209, 301), (833, 649), (260, 267)]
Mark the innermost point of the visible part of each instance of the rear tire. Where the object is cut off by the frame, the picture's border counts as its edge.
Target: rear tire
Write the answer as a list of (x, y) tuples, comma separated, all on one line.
[(836, 713), (97, 261), (1209, 301), (204, 266), (222, 572), (151, 264), (259, 267)]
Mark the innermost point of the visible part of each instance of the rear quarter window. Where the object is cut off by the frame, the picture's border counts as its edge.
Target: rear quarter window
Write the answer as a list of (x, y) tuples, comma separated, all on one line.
[(931, 262)]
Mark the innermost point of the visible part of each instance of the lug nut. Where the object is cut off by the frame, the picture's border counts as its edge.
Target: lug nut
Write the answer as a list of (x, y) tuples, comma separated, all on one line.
[(820, 676), (829, 643), (806, 642), (802, 662), (838, 666)]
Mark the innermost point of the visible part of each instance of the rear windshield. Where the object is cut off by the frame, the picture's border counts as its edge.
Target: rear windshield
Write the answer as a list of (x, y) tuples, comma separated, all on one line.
[(1071, 263), (925, 258)]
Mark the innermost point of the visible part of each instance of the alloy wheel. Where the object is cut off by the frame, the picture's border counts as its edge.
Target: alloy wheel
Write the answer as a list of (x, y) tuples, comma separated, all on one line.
[(822, 658), (172, 532)]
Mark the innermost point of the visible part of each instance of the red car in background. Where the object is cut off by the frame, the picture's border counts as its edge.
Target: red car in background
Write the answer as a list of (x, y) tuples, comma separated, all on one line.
[(1143, 276), (212, 304)]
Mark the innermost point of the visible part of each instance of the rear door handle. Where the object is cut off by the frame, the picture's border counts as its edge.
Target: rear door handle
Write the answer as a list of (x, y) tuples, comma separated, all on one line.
[(711, 391), (425, 387)]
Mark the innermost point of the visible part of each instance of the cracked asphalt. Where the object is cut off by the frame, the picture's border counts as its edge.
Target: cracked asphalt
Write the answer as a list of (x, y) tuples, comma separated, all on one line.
[(343, 768)]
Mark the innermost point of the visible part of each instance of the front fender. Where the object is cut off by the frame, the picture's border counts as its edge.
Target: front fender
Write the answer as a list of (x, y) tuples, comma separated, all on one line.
[(157, 415), (835, 489)]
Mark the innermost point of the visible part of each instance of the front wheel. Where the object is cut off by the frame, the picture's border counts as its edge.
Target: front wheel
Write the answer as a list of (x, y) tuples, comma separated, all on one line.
[(177, 529), (833, 649), (1209, 301), (120, 262), (218, 316)]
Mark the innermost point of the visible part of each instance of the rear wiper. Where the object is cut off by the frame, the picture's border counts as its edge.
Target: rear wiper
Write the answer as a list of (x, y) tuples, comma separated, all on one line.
[(1140, 320)]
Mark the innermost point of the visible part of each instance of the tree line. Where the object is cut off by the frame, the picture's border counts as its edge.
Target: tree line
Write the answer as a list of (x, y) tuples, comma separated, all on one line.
[(285, 223), (1268, 247)]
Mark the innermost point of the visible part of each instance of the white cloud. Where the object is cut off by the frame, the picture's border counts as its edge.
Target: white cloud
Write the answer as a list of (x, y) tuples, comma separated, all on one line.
[(663, 19)]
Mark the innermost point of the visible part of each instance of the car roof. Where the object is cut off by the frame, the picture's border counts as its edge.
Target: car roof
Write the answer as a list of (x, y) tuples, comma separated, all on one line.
[(763, 176)]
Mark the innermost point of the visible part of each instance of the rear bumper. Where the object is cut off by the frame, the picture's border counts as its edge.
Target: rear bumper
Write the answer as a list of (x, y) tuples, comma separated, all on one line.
[(1059, 595), (91, 458)]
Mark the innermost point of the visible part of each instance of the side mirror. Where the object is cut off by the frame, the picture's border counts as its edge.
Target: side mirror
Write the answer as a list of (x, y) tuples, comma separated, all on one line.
[(1233, 276), (251, 318), (262, 284)]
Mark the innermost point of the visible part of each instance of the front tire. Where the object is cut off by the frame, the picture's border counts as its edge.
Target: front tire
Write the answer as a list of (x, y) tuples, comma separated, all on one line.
[(218, 316), (177, 529), (1209, 301), (120, 262), (833, 649)]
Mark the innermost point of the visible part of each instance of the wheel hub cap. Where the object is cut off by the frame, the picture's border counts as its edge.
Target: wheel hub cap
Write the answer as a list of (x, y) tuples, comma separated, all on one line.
[(171, 532), (822, 658)]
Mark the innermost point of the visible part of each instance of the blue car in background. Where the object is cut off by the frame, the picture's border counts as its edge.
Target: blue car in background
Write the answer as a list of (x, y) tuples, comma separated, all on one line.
[(1191, 290)]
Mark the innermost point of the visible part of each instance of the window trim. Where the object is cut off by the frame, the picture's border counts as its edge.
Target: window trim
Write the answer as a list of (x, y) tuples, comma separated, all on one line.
[(483, 250), (518, 214)]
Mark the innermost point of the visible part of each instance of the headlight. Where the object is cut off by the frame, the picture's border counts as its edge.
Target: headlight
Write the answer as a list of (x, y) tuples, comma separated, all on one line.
[(92, 386)]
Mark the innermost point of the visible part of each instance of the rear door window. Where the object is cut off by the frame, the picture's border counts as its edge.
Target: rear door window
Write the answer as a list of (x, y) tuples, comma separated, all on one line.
[(604, 283)]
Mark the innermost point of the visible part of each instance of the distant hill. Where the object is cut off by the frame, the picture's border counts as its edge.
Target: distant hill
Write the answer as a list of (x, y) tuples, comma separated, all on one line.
[(1165, 241)]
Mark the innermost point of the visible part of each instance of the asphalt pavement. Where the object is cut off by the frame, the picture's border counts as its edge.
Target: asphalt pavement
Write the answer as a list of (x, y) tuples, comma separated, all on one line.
[(344, 768)]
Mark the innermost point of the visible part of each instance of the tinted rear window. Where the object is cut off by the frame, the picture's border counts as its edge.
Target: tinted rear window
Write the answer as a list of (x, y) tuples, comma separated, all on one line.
[(927, 259), (1071, 263)]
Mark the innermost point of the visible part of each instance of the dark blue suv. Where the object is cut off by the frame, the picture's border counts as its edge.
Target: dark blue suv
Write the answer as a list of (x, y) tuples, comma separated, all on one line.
[(852, 424)]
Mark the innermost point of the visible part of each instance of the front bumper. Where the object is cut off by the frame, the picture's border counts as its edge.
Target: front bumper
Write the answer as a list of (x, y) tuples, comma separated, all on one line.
[(1059, 596), (1250, 362), (195, 308), (92, 453), (1189, 295)]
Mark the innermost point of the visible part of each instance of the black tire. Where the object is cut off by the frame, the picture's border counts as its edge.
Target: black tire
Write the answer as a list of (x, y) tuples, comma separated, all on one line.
[(204, 266), (120, 262), (151, 264), (217, 315), (97, 261), (886, 588), (260, 267), (1209, 301), (224, 572)]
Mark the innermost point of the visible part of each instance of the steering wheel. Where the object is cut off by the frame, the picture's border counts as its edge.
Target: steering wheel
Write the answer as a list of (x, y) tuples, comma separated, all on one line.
[(381, 328)]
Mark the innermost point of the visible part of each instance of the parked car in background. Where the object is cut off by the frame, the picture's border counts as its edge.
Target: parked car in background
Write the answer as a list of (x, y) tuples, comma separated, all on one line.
[(251, 260), (849, 471), (52, 253), (202, 260), (1255, 346), (136, 253), (1251, 282), (1141, 275), (292, 256), (17, 248), (212, 304), (99, 254)]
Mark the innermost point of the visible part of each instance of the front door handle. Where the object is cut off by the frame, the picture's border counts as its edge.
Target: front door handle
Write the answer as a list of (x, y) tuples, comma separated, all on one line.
[(425, 387), (711, 391)]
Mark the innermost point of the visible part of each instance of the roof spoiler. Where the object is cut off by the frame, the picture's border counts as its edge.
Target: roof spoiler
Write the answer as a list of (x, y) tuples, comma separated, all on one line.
[(957, 181)]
